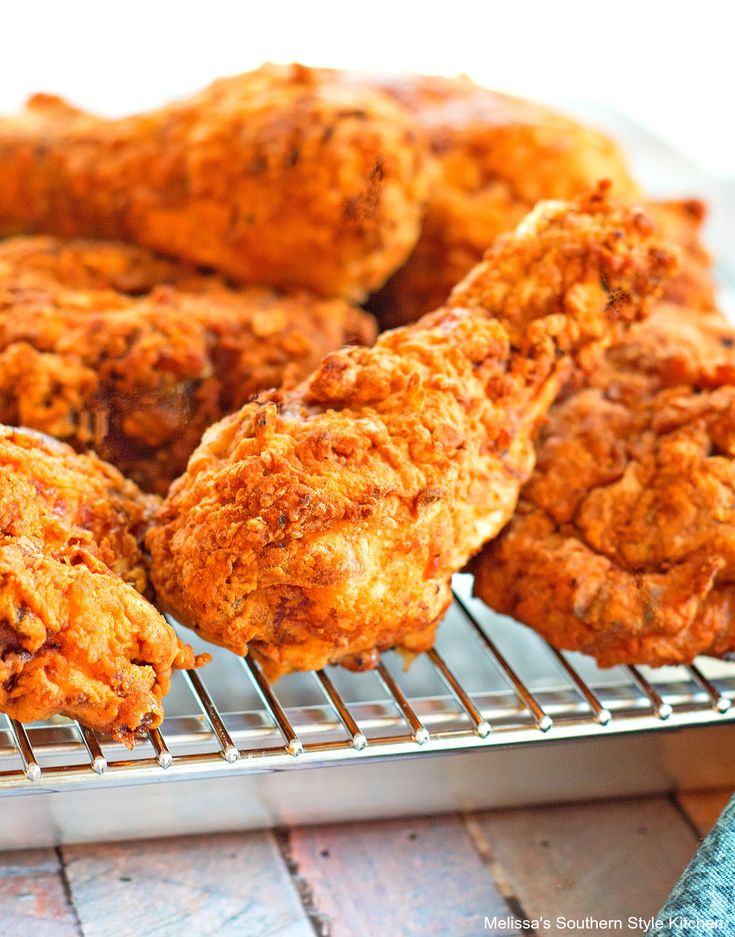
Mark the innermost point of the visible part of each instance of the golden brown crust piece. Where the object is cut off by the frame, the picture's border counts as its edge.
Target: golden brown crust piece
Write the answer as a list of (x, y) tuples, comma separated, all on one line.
[(498, 156), (139, 378), (623, 545), (323, 524), (286, 176), (76, 635)]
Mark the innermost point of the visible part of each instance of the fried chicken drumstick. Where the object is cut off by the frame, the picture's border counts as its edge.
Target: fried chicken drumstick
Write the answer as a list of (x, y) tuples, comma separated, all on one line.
[(322, 524), (623, 545), (286, 176), (497, 157), (76, 635), (139, 378)]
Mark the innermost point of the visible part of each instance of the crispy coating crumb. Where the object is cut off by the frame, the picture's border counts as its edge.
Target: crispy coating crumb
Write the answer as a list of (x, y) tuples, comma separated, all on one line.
[(623, 545), (285, 176), (76, 635), (322, 524), (138, 378), (498, 156)]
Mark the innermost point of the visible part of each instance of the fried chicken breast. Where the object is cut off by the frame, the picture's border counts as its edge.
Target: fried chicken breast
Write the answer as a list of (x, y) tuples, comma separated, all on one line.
[(285, 176), (498, 156), (323, 524), (139, 378), (623, 545), (77, 637)]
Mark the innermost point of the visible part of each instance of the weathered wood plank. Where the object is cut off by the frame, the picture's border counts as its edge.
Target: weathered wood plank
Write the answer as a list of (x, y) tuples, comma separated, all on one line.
[(408, 877), (32, 896), (704, 807), (607, 860), (234, 884), (430, 876)]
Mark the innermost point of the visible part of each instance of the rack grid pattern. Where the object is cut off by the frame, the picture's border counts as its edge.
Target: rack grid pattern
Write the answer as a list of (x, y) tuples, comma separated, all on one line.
[(209, 739)]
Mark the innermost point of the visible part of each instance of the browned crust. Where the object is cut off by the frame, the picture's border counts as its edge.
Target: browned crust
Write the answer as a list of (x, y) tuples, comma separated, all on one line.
[(497, 157)]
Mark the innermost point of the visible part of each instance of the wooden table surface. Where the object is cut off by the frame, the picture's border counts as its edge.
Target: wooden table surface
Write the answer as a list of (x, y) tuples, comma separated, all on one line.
[(434, 876)]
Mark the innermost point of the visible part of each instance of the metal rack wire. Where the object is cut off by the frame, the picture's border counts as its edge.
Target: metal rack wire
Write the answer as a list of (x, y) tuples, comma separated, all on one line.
[(509, 706)]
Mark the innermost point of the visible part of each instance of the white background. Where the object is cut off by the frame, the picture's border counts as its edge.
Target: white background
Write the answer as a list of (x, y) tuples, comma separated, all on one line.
[(667, 65)]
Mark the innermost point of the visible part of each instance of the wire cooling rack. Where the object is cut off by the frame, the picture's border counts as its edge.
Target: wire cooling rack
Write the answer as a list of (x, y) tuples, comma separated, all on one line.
[(489, 682)]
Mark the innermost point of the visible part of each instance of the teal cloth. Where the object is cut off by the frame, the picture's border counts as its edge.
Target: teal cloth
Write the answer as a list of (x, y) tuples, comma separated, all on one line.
[(703, 900)]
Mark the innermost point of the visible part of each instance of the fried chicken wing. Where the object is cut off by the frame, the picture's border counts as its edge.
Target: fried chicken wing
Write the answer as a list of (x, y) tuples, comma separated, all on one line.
[(498, 156), (286, 176), (623, 545), (322, 524), (139, 378), (77, 637)]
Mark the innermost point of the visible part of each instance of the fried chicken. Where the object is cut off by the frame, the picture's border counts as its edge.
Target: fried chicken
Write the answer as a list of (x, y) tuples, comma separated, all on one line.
[(323, 524), (285, 176), (498, 156), (77, 637), (138, 379), (623, 545)]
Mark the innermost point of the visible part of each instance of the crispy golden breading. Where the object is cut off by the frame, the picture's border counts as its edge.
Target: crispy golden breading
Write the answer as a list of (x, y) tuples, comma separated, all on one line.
[(623, 545), (98, 265), (498, 156), (322, 524), (286, 176), (680, 221), (76, 635), (676, 347), (138, 379), (682, 344)]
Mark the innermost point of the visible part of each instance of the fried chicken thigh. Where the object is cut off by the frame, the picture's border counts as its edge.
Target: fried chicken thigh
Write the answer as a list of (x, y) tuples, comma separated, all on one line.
[(323, 524), (623, 545), (76, 635), (498, 156), (286, 176), (139, 378)]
